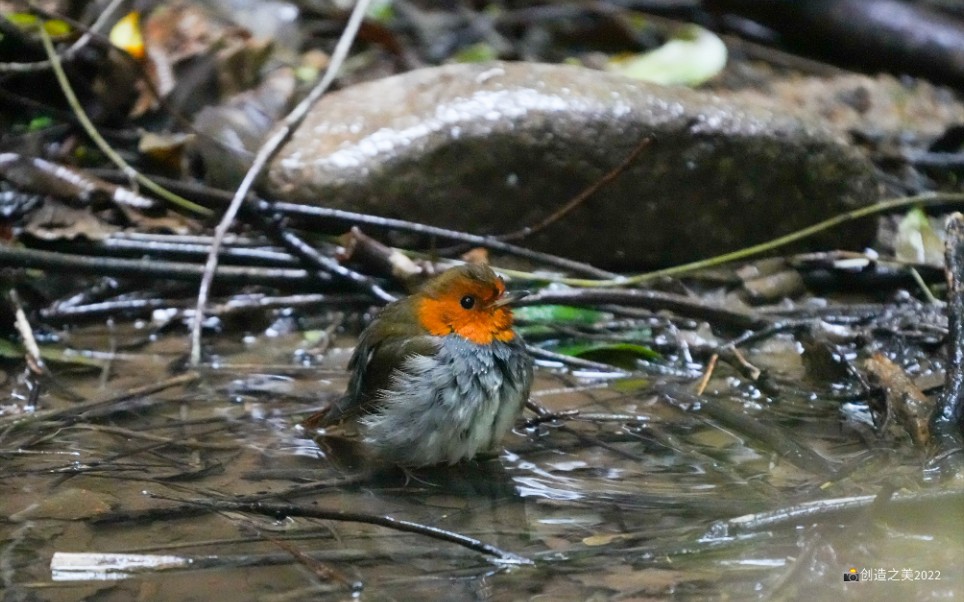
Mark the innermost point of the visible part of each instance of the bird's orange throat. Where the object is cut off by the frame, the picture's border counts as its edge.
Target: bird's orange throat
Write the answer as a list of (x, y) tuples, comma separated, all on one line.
[(484, 325)]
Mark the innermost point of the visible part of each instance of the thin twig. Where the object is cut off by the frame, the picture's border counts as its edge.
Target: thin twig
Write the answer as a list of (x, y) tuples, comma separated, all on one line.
[(925, 199), (792, 237), (40, 176), (580, 198), (327, 266), (490, 242), (265, 153), (707, 374), (175, 270), (924, 289), (157, 247), (772, 330), (34, 361), (217, 197), (239, 304)]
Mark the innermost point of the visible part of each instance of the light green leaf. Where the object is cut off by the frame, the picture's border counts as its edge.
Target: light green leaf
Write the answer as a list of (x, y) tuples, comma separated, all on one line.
[(313, 337), (631, 385), (381, 11), (917, 242), (694, 56), (39, 123), (476, 53), (28, 22)]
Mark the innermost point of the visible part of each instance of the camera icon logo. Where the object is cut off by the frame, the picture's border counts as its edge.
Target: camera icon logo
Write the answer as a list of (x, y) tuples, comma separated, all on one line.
[(851, 575)]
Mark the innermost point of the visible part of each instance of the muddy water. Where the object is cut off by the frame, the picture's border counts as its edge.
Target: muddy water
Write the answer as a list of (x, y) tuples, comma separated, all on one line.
[(633, 500)]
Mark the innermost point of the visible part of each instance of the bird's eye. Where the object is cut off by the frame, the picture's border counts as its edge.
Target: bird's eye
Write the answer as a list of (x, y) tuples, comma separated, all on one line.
[(467, 302)]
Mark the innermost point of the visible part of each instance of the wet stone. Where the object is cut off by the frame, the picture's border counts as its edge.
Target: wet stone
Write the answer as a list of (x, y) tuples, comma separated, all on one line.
[(494, 147)]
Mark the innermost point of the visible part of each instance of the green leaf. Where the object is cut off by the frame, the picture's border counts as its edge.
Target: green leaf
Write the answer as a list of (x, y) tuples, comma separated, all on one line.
[(694, 56), (313, 337), (381, 11), (476, 53), (537, 332), (630, 385), (29, 22), (623, 355), (22, 20), (40, 123), (560, 314), (57, 28)]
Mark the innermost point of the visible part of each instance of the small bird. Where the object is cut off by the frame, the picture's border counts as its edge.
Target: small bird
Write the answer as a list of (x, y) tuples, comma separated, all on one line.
[(438, 376)]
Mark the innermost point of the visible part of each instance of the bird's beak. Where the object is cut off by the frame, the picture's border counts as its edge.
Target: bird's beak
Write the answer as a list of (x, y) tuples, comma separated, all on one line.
[(508, 298)]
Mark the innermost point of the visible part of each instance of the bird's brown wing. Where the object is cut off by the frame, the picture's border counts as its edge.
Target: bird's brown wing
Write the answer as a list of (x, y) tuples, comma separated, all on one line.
[(371, 367)]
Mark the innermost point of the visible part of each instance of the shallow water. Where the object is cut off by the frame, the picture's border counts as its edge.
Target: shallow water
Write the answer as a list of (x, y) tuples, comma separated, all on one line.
[(634, 499)]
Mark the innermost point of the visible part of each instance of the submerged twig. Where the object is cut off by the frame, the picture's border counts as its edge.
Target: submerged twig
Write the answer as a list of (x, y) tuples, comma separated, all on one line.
[(192, 443), (82, 564), (779, 440), (318, 567), (596, 441), (281, 511), (808, 511), (80, 409)]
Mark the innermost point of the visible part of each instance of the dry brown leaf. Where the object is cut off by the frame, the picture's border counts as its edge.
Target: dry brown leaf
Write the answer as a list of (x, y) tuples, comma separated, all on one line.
[(56, 221)]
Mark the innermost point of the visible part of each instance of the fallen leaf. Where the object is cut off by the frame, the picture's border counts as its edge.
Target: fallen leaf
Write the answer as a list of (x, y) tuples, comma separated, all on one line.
[(693, 57)]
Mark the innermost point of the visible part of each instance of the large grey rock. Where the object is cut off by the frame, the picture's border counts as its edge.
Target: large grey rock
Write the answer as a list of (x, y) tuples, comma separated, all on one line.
[(491, 148)]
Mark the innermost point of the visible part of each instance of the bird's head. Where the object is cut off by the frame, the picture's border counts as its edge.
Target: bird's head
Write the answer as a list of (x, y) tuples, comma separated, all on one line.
[(470, 301)]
